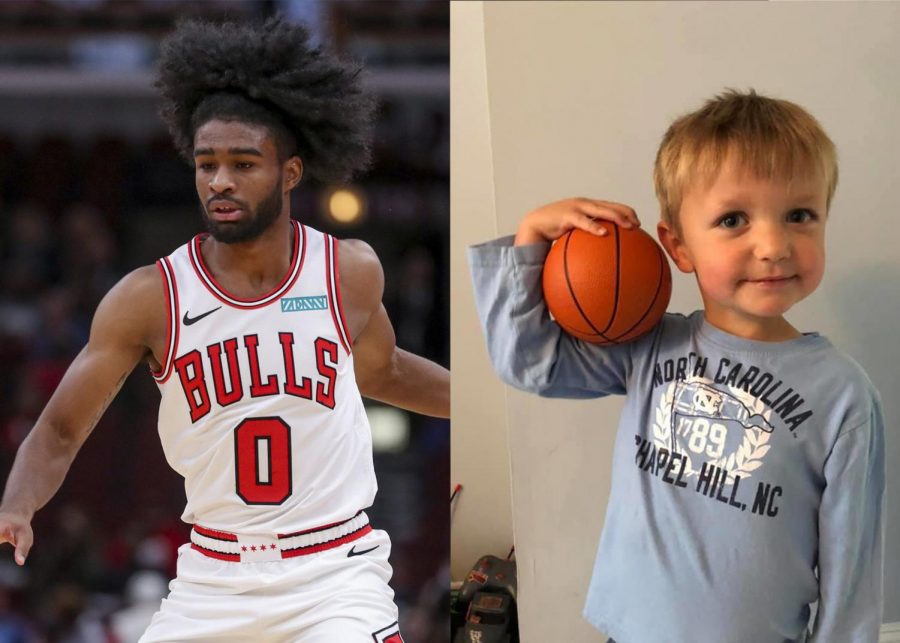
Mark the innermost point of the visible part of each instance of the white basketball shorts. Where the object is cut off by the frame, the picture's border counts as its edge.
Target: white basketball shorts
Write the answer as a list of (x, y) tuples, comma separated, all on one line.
[(337, 595)]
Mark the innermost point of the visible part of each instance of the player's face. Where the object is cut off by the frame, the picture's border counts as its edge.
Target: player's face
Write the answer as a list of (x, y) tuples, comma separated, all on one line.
[(239, 179), (756, 248)]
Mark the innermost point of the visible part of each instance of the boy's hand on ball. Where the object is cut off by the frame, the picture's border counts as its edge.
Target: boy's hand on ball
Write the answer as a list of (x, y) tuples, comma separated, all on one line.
[(550, 222)]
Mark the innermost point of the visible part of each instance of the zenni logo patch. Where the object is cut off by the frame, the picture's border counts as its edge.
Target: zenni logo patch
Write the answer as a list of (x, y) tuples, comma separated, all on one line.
[(299, 304)]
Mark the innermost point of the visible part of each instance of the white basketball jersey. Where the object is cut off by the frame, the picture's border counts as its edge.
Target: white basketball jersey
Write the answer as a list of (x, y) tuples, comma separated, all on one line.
[(260, 412)]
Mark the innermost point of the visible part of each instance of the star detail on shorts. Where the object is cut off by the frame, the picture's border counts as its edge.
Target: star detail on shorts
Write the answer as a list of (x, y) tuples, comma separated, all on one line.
[(244, 548), (252, 547), (272, 546)]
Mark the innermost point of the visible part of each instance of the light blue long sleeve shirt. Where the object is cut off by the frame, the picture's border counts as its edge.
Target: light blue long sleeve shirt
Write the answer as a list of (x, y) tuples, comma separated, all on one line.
[(747, 476)]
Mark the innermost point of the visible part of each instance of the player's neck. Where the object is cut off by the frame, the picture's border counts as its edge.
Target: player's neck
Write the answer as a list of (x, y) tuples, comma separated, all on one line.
[(255, 267)]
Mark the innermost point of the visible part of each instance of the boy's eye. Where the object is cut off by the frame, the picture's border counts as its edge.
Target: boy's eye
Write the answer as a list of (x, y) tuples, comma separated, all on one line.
[(243, 165), (802, 215), (204, 166), (730, 220)]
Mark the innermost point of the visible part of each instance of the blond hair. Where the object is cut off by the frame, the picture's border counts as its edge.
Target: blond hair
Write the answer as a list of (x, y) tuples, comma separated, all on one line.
[(773, 139)]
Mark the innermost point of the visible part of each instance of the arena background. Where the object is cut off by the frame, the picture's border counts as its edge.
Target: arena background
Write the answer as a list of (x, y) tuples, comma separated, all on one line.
[(91, 187)]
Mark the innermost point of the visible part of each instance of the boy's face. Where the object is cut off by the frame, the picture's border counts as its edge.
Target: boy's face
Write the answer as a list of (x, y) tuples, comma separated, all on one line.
[(755, 247)]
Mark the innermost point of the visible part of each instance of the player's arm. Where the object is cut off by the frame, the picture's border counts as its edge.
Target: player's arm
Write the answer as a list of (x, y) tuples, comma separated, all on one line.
[(118, 340), (385, 372)]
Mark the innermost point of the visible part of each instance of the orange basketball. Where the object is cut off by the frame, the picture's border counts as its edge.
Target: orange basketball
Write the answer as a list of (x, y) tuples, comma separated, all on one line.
[(610, 289)]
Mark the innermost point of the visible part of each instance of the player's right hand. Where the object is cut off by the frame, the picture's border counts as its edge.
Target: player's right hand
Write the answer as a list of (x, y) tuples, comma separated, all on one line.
[(550, 222), (16, 530)]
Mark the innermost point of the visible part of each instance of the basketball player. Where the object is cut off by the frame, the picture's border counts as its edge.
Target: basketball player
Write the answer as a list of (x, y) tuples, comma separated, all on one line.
[(261, 336)]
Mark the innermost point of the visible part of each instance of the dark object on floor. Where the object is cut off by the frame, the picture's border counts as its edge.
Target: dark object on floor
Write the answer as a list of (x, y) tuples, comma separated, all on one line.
[(487, 598)]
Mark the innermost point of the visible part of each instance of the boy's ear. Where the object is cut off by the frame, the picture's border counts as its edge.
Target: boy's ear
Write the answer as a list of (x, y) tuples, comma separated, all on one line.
[(671, 241)]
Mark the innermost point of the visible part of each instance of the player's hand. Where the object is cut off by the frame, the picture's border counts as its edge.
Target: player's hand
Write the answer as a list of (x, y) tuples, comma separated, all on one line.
[(550, 222), (16, 530)]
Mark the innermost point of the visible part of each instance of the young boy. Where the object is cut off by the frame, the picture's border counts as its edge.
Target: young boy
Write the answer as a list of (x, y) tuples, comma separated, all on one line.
[(748, 468)]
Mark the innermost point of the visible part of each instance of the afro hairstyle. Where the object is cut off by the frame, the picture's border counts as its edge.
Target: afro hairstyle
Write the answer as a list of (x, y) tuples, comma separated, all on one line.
[(267, 73)]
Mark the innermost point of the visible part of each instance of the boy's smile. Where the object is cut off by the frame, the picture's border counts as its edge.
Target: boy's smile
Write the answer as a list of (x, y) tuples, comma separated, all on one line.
[(756, 247)]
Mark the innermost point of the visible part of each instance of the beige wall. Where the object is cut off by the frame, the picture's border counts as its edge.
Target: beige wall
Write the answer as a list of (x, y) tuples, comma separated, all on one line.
[(481, 522), (579, 95)]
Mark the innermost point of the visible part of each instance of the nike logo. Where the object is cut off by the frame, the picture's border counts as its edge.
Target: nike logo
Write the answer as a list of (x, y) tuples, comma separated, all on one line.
[(353, 551), (193, 320)]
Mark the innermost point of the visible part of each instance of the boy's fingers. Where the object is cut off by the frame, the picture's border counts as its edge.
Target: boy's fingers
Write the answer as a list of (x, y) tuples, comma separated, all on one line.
[(589, 224), (627, 210), (609, 214), (624, 215)]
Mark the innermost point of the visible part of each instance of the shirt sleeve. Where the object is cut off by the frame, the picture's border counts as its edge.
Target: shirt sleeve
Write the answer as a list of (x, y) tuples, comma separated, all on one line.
[(527, 349), (850, 536)]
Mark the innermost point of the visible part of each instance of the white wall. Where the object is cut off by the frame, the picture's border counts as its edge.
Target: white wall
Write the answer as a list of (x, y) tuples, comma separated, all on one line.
[(579, 96), (482, 521)]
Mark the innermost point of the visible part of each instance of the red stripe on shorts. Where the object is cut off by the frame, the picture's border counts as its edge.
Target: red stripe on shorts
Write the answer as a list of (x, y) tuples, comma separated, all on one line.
[(218, 535), (234, 558), (315, 529), (331, 544)]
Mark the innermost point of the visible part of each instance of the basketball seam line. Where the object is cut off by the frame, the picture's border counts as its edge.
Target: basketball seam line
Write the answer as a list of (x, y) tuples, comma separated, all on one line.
[(618, 278), (659, 281), (569, 286)]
